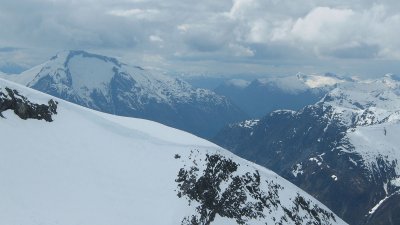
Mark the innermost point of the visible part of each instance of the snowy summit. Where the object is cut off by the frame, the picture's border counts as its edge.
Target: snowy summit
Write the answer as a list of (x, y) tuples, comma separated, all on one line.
[(108, 85)]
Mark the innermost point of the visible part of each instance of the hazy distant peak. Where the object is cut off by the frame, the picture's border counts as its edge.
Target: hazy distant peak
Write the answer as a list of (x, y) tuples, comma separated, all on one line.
[(301, 82), (318, 81), (240, 83)]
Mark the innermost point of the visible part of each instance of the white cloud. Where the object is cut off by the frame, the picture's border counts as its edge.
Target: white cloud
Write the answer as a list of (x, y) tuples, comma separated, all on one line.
[(240, 8), (259, 32), (155, 38), (147, 14), (322, 23), (183, 27)]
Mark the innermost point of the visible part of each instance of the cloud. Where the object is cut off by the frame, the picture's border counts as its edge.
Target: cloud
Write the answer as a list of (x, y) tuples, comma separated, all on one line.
[(145, 14), (345, 33), (311, 33), (238, 50), (322, 24), (155, 38), (8, 49), (355, 51), (321, 31)]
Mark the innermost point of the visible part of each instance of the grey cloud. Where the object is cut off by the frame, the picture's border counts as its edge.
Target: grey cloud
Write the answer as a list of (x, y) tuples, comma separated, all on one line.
[(210, 36), (11, 68), (359, 51), (9, 49), (241, 32), (278, 52)]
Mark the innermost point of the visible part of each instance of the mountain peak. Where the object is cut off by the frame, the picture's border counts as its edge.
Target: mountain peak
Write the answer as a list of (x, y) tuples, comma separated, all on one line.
[(105, 84), (66, 55), (380, 93), (320, 81), (238, 83)]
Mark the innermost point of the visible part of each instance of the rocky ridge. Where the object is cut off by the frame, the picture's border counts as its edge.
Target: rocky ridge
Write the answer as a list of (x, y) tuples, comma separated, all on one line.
[(343, 150)]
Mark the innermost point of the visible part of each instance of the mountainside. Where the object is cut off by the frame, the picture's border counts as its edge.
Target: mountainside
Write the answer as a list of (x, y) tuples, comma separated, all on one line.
[(79, 166), (105, 84), (262, 96), (343, 150)]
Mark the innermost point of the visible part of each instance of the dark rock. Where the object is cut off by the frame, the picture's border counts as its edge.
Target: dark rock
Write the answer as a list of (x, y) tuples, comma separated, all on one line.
[(387, 213), (25, 109), (305, 147), (242, 199)]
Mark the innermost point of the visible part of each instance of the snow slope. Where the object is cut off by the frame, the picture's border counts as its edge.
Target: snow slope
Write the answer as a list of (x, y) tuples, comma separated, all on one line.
[(372, 109), (88, 167)]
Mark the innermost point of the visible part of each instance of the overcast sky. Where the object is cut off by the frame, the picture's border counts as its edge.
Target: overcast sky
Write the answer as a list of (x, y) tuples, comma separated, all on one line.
[(356, 37)]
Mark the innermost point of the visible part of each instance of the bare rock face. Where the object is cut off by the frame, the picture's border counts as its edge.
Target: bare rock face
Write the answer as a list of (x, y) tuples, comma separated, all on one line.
[(11, 99), (388, 212), (343, 150), (217, 187)]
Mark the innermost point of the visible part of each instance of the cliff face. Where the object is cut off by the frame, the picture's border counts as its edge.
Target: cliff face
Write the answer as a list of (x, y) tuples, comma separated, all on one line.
[(343, 150)]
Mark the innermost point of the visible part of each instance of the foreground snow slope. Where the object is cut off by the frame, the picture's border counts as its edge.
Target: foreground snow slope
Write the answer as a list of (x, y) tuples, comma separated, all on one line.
[(88, 167)]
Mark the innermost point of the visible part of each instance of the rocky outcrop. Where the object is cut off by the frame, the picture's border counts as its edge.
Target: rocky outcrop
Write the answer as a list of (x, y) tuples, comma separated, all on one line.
[(387, 213), (217, 187), (310, 148), (13, 100)]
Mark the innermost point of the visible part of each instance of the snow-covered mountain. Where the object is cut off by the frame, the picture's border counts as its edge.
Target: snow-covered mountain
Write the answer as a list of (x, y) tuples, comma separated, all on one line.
[(264, 95), (105, 84), (65, 164), (344, 150)]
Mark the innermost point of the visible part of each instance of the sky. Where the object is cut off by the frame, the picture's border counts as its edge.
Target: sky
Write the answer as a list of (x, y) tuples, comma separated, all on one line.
[(209, 37)]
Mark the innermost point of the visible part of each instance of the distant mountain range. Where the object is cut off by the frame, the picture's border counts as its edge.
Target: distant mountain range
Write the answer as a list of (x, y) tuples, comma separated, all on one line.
[(65, 164), (105, 84), (344, 150), (264, 95)]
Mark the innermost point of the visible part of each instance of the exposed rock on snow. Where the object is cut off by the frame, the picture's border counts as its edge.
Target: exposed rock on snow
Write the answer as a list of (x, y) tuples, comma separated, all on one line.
[(12, 100)]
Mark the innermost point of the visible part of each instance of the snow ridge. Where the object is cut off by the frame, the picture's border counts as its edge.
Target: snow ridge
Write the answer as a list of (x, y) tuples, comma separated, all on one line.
[(91, 167)]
